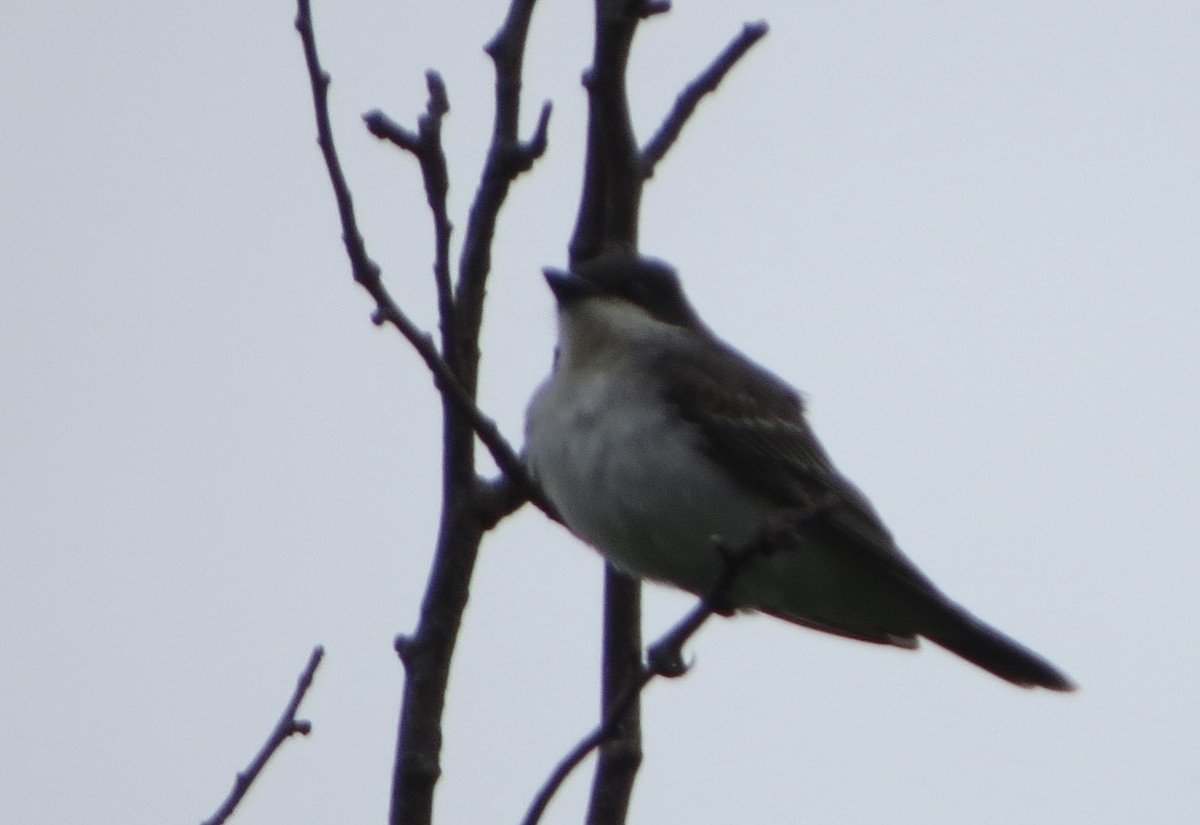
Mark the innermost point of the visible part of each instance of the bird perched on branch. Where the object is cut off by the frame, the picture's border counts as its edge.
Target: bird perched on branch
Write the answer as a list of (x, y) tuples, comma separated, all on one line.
[(659, 443)]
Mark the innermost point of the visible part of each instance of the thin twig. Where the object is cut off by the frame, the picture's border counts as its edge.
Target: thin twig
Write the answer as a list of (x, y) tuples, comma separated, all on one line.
[(690, 97), (384, 128), (529, 151), (367, 274), (663, 658), (287, 725), (426, 145), (650, 8), (507, 158)]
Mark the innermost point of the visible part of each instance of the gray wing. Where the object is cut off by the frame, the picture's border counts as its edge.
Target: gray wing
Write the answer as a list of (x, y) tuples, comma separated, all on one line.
[(752, 424)]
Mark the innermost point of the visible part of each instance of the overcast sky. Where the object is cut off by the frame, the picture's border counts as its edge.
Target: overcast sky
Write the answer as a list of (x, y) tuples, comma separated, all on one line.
[(967, 232)]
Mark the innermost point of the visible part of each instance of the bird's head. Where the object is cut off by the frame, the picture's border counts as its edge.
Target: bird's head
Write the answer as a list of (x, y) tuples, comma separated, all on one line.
[(625, 282)]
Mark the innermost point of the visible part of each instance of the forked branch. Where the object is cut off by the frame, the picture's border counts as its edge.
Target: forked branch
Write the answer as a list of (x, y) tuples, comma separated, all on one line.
[(426, 145), (663, 658), (368, 274), (470, 504), (687, 101), (287, 726)]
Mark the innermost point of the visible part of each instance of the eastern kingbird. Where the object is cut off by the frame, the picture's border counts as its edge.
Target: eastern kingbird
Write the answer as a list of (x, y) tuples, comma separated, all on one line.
[(656, 440)]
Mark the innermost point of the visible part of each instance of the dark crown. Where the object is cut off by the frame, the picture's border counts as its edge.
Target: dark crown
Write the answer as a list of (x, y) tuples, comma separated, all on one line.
[(645, 282)]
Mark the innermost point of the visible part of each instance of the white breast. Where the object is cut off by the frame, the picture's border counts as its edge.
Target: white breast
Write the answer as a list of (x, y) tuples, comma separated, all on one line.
[(627, 476)]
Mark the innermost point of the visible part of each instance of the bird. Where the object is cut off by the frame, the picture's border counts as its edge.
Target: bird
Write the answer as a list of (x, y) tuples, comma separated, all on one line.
[(662, 447)]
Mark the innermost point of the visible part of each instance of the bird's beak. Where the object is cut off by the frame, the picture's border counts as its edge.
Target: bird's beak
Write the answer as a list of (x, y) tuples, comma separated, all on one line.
[(568, 288)]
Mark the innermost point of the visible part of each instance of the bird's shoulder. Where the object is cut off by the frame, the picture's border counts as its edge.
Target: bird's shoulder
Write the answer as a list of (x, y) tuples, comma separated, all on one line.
[(752, 424), (748, 419)]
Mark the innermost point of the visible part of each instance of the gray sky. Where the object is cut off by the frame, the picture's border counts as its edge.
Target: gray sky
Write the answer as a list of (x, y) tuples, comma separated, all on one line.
[(966, 231)]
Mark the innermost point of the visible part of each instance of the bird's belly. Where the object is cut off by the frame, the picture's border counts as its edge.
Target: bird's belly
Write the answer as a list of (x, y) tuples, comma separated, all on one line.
[(636, 487)]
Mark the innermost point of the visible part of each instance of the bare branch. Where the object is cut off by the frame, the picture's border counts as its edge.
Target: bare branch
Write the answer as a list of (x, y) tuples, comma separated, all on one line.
[(485, 428), (470, 505), (507, 158), (609, 208), (690, 97), (650, 8), (612, 188), (384, 128), (367, 272), (620, 754), (663, 658), (426, 145), (529, 151), (609, 205), (437, 187), (287, 725)]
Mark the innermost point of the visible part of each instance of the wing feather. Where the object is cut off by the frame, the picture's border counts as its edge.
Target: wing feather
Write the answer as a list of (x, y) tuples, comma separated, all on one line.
[(752, 424)]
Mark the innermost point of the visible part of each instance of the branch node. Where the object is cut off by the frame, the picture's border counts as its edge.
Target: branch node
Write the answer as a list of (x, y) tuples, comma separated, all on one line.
[(384, 128), (650, 8), (665, 658), (287, 725), (439, 100), (524, 155), (497, 498), (755, 29), (405, 647)]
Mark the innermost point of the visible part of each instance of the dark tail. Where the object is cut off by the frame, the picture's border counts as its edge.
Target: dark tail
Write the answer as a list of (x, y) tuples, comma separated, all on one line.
[(964, 635)]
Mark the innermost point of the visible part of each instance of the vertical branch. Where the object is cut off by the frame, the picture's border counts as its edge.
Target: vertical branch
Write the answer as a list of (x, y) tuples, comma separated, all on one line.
[(427, 655), (466, 505), (507, 157), (469, 505), (614, 175), (620, 754), (437, 186), (426, 145), (608, 217), (611, 198)]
